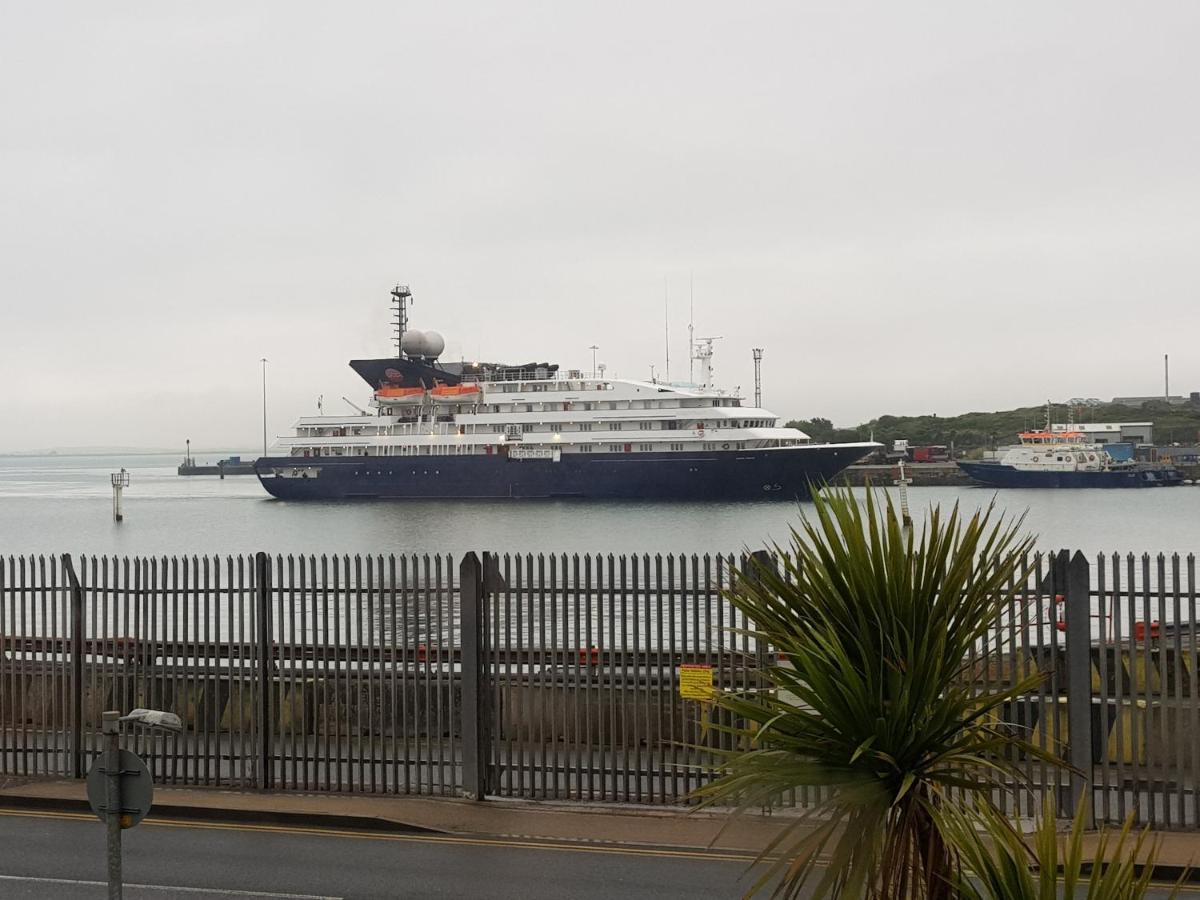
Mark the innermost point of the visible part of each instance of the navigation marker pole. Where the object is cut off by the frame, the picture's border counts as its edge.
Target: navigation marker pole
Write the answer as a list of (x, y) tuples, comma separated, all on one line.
[(905, 518), (120, 480)]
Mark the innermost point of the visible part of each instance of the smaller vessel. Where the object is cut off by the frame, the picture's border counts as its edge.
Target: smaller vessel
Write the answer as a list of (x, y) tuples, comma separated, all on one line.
[(231, 465), (1065, 459)]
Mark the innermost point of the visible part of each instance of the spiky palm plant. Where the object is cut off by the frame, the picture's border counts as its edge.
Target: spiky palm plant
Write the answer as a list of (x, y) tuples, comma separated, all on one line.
[(873, 704), (1000, 865)]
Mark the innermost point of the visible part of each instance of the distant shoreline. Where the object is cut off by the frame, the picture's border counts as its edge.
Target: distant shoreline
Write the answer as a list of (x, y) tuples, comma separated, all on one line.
[(117, 451)]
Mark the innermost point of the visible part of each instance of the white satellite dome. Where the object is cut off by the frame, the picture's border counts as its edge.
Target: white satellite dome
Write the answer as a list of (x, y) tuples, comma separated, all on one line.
[(434, 344), (423, 344), (413, 343)]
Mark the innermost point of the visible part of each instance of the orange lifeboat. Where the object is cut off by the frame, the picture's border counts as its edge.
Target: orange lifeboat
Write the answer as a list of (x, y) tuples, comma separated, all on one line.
[(399, 392), (455, 390)]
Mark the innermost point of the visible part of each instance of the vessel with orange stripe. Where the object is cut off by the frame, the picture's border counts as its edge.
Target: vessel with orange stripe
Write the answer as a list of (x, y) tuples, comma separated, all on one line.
[(438, 429)]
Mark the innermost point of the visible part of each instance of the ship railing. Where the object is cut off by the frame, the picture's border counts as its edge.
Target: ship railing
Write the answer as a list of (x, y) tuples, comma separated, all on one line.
[(531, 373)]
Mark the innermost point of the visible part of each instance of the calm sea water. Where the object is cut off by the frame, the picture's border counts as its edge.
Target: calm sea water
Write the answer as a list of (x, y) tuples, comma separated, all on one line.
[(62, 504)]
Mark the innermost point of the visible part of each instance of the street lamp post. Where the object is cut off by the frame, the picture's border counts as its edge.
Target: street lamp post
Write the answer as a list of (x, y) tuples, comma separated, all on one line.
[(111, 722), (264, 392), (124, 792)]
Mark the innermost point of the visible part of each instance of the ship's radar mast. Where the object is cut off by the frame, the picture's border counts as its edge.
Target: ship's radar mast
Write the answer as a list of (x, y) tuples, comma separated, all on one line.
[(758, 354), (703, 354), (401, 296)]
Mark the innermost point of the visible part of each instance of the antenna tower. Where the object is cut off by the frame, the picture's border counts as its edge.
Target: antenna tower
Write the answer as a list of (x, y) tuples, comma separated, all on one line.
[(757, 351), (691, 329), (401, 296), (667, 328)]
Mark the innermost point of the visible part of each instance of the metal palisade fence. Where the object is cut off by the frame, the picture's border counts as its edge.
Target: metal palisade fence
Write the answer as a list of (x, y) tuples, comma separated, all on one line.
[(565, 677)]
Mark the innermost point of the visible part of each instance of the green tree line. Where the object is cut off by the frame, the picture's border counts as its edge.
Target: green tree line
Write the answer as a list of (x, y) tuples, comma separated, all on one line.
[(975, 430)]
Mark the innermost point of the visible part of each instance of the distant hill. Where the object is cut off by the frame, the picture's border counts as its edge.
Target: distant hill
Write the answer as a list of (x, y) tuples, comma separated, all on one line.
[(973, 430)]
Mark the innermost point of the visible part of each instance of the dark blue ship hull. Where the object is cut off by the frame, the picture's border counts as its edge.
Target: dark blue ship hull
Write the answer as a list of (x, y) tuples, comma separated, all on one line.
[(996, 475), (775, 474)]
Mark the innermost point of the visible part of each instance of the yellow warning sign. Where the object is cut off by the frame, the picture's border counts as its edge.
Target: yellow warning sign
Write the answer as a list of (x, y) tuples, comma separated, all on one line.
[(695, 682)]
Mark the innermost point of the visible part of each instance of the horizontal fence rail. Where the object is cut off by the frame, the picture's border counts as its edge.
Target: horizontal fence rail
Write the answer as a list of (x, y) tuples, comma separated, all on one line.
[(558, 677)]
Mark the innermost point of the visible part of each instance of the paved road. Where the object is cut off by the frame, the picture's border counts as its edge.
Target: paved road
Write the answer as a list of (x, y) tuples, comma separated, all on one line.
[(62, 856)]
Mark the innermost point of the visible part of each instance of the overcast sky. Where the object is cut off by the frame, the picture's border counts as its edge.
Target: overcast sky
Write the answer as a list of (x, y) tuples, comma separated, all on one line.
[(913, 207)]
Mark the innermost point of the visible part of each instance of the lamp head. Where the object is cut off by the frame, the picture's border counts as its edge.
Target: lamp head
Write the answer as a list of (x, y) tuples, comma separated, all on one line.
[(155, 718)]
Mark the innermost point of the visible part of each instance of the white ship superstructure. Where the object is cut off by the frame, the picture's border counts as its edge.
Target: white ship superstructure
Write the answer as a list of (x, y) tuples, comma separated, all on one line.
[(549, 415), (493, 430)]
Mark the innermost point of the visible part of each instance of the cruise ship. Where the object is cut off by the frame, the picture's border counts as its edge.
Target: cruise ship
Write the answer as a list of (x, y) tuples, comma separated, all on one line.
[(456, 430)]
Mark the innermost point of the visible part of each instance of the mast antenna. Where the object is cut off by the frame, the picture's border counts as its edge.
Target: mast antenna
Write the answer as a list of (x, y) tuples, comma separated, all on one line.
[(691, 328), (667, 328), (401, 296), (758, 353)]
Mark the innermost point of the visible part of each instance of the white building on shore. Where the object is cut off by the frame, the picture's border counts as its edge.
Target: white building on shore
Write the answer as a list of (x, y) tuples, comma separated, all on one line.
[(1111, 432)]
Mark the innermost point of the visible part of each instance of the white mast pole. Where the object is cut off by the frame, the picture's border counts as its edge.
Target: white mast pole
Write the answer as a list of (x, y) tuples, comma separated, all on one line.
[(264, 399), (667, 328), (691, 329)]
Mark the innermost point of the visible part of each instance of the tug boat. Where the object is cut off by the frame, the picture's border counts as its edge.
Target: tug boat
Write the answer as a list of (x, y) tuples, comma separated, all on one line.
[(445, 430), (1065, 459)]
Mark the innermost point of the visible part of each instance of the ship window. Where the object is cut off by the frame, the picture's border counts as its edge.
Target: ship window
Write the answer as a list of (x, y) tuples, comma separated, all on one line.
[(614, 448), (614, 426), (677, 446), (585, 426), (646, 426), (526, 426), (671, 424)]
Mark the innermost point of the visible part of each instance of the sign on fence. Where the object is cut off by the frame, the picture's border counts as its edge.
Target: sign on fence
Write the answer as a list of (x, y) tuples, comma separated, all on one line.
[(695, 681)]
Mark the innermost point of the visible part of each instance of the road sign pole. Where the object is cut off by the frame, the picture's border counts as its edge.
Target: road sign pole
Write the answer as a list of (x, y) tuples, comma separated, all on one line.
[(112, 767)]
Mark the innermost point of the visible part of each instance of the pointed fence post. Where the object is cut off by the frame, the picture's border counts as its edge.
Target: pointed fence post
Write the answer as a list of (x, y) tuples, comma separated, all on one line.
[(476, 745), (760, 561), (266, 676), (1076, 586), (77, 756)]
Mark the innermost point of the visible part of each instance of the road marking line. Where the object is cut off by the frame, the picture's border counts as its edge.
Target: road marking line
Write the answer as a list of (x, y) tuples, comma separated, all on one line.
[(441, 839), (411, 838), (171, 887)]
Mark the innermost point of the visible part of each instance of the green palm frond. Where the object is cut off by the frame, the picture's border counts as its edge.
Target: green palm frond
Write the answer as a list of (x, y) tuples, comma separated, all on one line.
[(874, 704), (1000, 865)]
